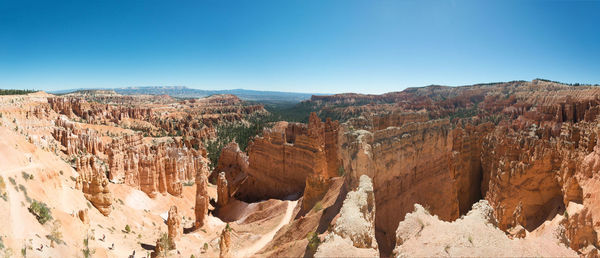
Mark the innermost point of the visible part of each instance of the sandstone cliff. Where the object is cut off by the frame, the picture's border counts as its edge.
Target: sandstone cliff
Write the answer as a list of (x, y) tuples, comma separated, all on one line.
[(354, 230), (175, 230), (280, 161), (94, 184)]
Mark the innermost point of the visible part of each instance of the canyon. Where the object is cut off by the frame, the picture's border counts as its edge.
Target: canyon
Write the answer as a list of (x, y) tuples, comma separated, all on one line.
[(500, 169)]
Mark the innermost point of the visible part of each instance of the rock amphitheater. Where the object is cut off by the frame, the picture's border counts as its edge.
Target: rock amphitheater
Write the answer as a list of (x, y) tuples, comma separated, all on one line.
[(504, 169)]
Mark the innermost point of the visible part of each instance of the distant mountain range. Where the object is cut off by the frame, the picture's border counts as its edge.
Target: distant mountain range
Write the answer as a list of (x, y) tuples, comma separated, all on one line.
[(185, 92)]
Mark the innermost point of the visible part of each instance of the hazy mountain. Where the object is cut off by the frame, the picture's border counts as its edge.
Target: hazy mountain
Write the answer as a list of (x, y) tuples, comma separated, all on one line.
[(185, 92)]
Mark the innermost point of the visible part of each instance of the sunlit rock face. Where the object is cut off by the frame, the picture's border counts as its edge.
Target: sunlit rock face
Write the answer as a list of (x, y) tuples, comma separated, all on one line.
[(280, 161)]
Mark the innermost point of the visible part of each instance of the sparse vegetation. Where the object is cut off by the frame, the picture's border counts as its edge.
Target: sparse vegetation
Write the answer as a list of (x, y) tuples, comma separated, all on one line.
[(41, 211), (127, 228), (164, 243), (55, 235), (86, 251), (3, 193), (26, 176), (341, 171), (313, 243), (12, 181), (24, 190), (318, 206)]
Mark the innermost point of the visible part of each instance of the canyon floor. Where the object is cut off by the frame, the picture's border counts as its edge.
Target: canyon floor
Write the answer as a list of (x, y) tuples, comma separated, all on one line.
[(503, 169)]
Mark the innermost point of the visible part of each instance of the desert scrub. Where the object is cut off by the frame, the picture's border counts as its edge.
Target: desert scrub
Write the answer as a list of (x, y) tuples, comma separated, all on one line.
[(55, 235), (318, 206), (41, 211), (3, 193), (313, 243), (12, 181), (164, 243), (24, 190), (26, 176), (127, 228), (341, 171), (86, 251)]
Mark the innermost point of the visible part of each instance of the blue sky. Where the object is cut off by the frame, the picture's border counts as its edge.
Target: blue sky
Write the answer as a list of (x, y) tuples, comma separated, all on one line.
[(300, 46)]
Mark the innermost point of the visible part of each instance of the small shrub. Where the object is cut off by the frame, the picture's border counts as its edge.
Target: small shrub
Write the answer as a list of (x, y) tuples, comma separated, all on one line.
[(23, 189), (127, 228), (318, 206), (26, 176), (341, 171), (55, 235), (3, 193), (164, 243), (12, 181), (313, 243), (41, 211), (87, 252)]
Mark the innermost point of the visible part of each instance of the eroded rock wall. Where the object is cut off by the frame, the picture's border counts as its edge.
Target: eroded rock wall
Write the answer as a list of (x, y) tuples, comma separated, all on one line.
[(285, 155)]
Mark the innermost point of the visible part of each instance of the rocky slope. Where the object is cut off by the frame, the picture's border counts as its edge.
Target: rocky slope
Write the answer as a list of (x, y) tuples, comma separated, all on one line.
[(504, 169), (280, 161)]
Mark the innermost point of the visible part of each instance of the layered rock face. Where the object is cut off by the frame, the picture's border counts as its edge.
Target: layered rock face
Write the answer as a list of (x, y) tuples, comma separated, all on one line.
[(94, 184), (354, 230), (76, 140), (175, 231), (280, 161), (202, 200), (409, 159), (160, 168), (222, 190), (529, 148), (234, 163), (225, 243), (153, 168)]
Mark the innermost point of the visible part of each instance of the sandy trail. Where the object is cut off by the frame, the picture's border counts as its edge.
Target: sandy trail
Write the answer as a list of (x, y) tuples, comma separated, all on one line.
[(266, 238)]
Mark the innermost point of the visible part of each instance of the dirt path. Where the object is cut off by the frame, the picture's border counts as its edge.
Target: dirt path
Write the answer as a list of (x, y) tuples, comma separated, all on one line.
[(266, 238)]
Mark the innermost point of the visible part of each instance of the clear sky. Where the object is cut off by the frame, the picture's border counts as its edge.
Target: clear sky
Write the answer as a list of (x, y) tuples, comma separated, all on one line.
[(368, 46)]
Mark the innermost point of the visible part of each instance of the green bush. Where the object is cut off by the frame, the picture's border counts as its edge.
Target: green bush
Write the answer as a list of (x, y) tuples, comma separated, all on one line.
[(313, 243), (341, 171), (41, 211), (26, 176), (127, 228), (318, 206)]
